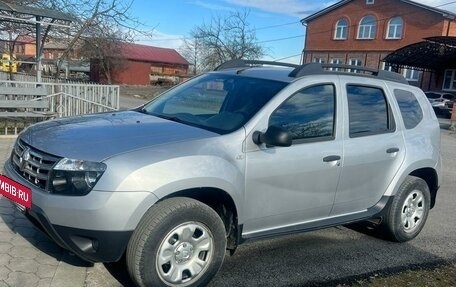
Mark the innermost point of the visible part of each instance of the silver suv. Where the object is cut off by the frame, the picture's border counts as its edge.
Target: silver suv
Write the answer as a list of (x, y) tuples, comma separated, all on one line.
[(252, 150)]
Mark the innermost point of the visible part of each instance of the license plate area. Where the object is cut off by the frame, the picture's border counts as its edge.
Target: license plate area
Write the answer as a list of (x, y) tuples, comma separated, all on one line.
[(16, 192)]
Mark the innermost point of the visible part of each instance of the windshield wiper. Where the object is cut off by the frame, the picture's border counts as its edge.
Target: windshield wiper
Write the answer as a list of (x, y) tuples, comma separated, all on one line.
[(169, 118)]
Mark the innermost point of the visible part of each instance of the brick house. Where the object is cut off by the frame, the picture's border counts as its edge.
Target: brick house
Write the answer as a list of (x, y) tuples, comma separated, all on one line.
[(25, 50), (141, 65), (364, 32)]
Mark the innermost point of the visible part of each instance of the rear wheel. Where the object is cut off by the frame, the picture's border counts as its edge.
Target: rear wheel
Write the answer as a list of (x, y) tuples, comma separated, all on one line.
[(179, 242), (409, 210)]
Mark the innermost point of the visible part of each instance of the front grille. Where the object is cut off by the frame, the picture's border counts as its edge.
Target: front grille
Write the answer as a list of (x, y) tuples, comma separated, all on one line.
[(33, 165)]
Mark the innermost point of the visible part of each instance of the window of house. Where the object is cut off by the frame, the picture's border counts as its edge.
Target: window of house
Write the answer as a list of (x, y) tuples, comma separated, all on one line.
[(387, 67), (341, 32), (377, 120), (449, 81), (367, 28), (319, 60), (411, 111), (309, 114), (411, 75), (337, 61), (395, 27), (355, 62)]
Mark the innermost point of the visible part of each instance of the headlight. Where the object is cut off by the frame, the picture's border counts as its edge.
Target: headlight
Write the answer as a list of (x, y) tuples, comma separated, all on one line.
[(75, 177)]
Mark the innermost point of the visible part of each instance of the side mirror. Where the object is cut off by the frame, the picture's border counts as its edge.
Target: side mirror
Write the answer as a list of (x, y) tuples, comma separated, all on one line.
[(274, 136)]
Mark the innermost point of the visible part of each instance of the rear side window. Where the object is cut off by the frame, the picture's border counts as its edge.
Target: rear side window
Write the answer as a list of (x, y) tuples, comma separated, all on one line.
[(369, 112), (411, 111)]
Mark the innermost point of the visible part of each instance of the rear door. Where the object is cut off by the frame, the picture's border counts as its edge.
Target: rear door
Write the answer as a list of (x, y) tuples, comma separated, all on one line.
[(373, 145)]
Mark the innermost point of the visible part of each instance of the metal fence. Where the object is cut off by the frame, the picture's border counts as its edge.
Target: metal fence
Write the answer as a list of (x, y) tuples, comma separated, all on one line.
[(65, 99)]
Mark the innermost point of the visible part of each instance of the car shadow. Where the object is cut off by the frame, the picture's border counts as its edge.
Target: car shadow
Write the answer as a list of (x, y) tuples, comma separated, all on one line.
[(21, 231), (118, 271), (329, 257)]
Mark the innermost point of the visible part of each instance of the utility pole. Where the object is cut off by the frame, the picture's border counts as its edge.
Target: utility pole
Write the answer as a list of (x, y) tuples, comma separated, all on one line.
[(38, 48)]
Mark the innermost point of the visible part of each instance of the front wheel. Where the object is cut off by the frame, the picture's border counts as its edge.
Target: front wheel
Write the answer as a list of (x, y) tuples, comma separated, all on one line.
[(409, 210), (179, 242)]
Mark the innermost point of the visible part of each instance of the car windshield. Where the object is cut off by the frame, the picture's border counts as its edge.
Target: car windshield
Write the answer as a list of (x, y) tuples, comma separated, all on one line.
[(217, 102)]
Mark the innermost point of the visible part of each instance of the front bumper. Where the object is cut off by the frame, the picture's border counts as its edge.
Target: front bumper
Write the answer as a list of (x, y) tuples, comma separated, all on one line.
[(95, 227), (90, 245)]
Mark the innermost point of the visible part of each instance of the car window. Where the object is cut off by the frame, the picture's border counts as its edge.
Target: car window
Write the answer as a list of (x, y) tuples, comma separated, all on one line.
[(202, 98), (369, 112), (411, 111), (448, 97), (221, 103), (308, 114), (432, 95)]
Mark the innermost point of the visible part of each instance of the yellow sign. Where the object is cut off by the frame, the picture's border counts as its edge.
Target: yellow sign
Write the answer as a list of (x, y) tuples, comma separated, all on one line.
[(8, 64)]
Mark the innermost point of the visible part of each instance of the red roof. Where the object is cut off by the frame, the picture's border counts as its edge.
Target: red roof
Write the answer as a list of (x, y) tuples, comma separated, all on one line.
[(25, 39), (152, 54)]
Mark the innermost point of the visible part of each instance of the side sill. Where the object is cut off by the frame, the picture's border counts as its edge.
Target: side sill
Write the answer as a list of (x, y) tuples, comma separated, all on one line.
[(377, 210)]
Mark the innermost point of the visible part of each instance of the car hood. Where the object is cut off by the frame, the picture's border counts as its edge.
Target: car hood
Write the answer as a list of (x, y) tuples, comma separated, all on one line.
[(100, 136)]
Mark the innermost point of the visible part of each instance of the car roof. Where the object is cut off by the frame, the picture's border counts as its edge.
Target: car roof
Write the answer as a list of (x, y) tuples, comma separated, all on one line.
[(268, 73), (286, 72)]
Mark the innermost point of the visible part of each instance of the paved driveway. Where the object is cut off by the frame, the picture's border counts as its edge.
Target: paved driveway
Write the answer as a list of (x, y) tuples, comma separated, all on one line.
[(321, 258)]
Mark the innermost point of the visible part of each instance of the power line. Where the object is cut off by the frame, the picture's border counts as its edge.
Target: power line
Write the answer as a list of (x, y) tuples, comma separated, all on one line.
[(278, 25), (295, 22), (279, 39), (256, 29), (288, 57)]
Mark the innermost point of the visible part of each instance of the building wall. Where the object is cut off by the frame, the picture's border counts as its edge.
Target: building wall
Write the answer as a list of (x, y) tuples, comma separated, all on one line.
[(132, 73), (30, 49), (168, 69), (418, 24), (135, 72)]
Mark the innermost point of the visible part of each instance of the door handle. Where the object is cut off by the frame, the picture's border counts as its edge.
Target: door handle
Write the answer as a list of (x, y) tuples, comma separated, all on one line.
[(331, 158), (392, 150)]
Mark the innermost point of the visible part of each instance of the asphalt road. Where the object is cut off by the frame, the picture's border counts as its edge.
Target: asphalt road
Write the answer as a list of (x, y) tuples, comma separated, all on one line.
[(130, 102), (335, 255)]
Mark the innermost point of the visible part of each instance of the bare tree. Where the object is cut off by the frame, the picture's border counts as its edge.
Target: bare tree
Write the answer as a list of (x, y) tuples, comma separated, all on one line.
[(223, 39), (91, 17), (192, 51), (97, 20), (106, 51)]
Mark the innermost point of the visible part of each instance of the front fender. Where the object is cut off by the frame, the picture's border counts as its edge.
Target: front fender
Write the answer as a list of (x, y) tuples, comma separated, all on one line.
[(170, 176)]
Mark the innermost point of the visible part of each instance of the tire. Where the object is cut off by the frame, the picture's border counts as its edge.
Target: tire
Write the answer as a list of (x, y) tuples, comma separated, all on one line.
[(409, 210), (179, 242)]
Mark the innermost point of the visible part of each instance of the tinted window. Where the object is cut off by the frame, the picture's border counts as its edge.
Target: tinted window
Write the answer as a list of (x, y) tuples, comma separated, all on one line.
[(368, 111), (432, 95), (308, 114), (410, 108)]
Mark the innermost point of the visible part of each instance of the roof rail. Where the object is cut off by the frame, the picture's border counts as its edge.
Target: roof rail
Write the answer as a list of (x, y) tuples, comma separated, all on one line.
[(317, 68), (240, 63)]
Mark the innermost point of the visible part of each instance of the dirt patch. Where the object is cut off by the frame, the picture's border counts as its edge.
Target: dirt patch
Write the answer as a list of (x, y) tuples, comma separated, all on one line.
[(438, 276), (142, 92)]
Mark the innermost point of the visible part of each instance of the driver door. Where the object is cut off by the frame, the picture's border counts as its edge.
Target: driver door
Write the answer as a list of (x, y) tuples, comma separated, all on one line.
[(288, 186)]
